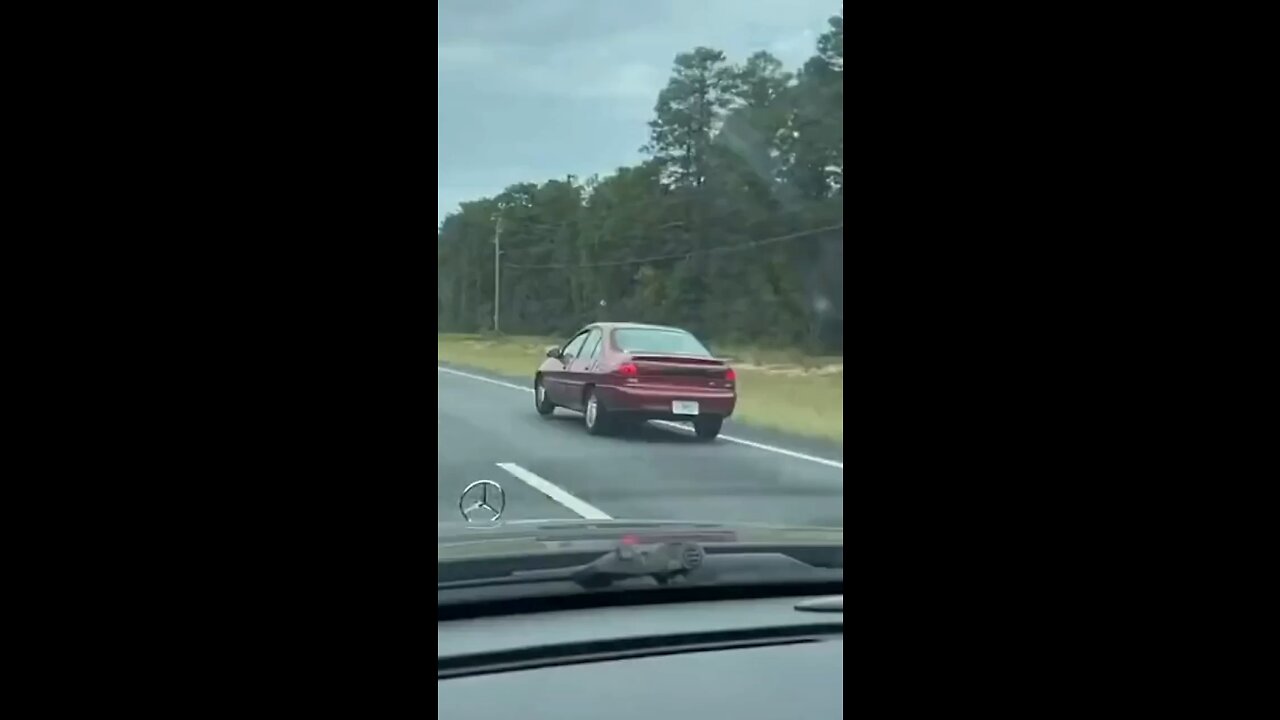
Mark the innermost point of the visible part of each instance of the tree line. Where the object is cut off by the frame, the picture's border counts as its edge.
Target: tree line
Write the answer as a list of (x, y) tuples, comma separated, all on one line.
[(733, 225)]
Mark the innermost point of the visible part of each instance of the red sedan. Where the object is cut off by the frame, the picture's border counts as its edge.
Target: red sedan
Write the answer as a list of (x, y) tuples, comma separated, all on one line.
[(618, 372)]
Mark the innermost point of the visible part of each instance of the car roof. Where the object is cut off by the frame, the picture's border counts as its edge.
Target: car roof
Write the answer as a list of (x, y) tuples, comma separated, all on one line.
[(606, 325)]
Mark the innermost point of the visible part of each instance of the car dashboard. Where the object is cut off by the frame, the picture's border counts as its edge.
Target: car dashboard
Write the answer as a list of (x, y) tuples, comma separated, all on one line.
[(774, 657)]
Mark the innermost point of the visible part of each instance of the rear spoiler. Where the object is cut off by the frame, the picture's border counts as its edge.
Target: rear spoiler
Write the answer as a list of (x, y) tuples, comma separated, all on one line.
[(676, 357)]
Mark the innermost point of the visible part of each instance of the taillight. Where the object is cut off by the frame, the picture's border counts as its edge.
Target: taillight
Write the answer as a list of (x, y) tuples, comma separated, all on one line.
[(730, 375), (628, 369)]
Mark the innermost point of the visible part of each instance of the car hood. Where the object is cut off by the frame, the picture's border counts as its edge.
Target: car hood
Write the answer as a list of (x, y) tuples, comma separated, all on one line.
[(529, 537)]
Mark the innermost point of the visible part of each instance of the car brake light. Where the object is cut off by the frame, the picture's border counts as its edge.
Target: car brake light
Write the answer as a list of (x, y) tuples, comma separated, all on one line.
[(730, 375), (628, 369)]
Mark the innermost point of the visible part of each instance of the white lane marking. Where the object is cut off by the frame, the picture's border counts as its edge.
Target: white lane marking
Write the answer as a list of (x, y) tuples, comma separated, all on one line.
[(730, 438), (484, 379), (762, 446), (553, 491)]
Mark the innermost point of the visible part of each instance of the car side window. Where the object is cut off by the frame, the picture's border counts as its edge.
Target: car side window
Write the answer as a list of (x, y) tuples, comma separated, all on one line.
[(575, 345), (593, 345)]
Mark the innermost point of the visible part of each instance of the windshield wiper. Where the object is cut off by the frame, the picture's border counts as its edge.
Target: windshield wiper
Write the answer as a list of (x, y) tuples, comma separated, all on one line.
[(666, 562)]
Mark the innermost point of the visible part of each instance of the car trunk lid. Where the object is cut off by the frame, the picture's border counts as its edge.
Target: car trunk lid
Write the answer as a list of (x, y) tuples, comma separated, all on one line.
[(671, 369)]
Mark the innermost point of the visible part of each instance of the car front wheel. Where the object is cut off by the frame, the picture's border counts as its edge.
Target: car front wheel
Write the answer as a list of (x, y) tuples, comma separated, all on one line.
[(541, 402)]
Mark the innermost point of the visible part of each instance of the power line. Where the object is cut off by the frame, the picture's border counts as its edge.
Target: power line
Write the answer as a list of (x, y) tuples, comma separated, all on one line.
[(565, 226), (687, 253)]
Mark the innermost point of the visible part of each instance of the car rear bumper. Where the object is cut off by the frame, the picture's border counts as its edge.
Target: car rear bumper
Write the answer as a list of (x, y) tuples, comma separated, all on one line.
[(655, 401)]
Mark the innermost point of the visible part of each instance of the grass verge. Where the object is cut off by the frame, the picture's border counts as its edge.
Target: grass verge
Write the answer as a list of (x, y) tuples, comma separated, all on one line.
[(806, 398)]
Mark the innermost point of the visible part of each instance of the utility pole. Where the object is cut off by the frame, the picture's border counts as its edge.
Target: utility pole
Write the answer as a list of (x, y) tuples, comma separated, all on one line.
[(497, 280)]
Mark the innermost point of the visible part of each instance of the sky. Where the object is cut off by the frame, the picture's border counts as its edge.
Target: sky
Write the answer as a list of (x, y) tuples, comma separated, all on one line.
[(531, 90)]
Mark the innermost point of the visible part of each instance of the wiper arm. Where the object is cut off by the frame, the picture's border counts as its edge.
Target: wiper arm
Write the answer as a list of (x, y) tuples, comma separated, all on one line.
[(663, 563), (660, 562)]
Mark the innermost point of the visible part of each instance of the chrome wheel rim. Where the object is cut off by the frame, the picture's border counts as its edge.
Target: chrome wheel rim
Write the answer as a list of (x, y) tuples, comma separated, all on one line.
[(591, 412)]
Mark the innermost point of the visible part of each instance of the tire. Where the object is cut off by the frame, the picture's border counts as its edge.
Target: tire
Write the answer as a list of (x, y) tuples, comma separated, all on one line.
[(707, 427), (595, 416), (541, 402)]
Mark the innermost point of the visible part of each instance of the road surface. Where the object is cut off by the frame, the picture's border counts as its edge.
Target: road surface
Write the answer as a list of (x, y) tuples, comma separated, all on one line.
[(550, 468)]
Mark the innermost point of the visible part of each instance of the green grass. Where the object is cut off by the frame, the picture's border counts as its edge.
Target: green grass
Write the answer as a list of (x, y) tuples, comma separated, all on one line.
[(776, 389), (509, 354), (803, 404)]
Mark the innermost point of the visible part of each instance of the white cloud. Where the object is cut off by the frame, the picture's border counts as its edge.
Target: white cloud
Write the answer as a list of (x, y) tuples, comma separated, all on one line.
[(467, 54), (794, 50), (533, 89), (608, 50), (576, 71), (626, 81)]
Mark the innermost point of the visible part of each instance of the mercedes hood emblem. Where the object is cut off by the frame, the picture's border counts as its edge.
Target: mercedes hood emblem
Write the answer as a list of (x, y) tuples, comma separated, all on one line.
[(482, 500)]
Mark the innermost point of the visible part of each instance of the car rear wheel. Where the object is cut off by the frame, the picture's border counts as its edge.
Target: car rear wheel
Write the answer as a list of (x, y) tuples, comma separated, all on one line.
[(707, 426), (541, 402), (596, 416)]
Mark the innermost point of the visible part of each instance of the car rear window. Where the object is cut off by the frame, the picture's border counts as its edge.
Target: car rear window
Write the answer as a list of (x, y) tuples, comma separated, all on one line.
[(638, 340)]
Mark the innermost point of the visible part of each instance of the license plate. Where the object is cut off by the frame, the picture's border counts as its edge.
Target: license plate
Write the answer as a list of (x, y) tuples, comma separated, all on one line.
[(684, 407)]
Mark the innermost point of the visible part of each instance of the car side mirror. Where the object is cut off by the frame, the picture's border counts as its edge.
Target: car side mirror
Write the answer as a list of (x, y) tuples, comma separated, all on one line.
[(553, 352)]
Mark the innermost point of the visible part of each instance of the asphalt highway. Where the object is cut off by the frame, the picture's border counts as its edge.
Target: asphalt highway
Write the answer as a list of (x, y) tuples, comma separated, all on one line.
[(551, 468)]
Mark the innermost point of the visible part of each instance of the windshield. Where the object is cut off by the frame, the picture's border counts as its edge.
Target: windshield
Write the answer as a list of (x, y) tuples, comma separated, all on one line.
[(640, 291), (658, 341)]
